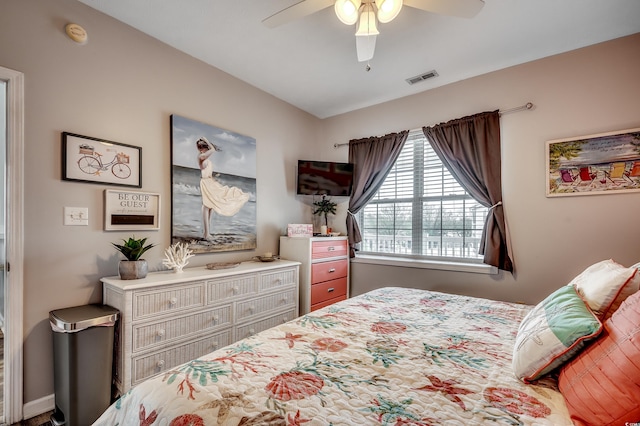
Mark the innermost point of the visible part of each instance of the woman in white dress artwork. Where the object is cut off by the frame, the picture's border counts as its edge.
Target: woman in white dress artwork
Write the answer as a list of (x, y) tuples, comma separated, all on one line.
[(222, 199)]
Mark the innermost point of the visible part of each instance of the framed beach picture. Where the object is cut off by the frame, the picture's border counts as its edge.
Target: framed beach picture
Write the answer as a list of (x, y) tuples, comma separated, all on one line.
[(213, 187), (605, 163), (93, 160)]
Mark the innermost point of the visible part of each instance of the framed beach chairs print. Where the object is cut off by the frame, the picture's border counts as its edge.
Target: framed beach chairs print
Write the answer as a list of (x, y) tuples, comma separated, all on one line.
[(604, 163)]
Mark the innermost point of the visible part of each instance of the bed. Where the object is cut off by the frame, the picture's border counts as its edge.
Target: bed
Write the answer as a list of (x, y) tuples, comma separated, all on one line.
[(393, 356)]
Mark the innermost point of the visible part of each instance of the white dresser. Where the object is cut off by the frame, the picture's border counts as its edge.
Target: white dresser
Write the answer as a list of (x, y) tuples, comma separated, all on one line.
[(169, 318)]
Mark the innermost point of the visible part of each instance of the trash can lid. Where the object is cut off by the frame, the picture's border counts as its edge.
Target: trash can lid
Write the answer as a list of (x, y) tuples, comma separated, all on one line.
[(80, 317)]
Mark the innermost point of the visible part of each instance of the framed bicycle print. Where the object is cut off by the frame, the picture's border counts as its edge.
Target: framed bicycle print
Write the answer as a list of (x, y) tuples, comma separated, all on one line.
[(93, 160)]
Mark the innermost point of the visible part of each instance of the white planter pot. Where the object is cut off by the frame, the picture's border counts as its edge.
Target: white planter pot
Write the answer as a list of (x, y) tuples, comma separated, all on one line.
[(133, 269)]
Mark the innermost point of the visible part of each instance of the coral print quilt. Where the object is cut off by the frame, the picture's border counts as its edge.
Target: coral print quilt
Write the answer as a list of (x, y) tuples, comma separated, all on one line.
[(393, 356)]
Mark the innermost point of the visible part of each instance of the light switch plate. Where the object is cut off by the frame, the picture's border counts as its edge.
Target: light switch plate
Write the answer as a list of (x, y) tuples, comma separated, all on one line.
[(76, 216)]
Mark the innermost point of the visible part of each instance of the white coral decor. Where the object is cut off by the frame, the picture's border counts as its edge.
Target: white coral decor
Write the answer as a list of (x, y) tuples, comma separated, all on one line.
[(177, 256)]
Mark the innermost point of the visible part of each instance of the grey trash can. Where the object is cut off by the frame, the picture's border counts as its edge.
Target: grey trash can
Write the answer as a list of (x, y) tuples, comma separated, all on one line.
[(83, 359)]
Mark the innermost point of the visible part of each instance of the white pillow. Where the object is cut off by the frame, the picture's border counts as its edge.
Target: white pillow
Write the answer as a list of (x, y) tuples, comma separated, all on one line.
[(605, 285)]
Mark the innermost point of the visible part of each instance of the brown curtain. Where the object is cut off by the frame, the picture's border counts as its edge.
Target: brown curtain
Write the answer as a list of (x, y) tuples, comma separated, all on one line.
[(470, 149), (372, 158)]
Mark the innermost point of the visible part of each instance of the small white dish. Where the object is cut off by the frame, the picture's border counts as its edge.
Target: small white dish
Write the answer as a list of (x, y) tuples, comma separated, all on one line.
[(265, 259)]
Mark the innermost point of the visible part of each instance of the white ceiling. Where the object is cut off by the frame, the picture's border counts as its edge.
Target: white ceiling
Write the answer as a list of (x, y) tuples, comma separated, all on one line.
[(311, 63)]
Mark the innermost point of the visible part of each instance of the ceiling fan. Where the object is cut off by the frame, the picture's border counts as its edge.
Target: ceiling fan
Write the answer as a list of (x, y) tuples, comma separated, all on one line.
[(366, 13)]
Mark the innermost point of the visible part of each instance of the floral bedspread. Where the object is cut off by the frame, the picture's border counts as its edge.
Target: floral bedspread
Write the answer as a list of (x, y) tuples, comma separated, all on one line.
[(393, 356)]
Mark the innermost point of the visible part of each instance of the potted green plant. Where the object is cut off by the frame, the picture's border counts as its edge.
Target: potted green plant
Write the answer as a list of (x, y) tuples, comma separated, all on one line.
[(133, 267), (324, 208)]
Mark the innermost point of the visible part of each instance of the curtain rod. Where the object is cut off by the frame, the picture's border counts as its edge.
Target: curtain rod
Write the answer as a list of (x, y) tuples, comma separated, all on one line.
[(526, 106)]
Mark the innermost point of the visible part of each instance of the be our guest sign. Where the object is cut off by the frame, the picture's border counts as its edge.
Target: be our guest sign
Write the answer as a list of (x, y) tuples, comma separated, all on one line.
[(131, 210)]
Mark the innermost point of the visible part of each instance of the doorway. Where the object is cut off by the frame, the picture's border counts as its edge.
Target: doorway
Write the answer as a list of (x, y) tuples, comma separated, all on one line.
[(3, 144), (11, 241)]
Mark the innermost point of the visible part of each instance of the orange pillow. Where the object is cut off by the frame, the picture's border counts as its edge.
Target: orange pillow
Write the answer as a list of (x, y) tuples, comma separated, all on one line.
[(601, 385)]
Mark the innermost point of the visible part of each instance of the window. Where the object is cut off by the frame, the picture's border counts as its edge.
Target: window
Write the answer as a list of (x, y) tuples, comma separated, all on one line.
[(421, 211)]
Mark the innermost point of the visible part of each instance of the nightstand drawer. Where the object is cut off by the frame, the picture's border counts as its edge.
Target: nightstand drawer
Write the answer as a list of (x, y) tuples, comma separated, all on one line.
[(325, 271), (147, 335), (325, 249), (328, 290), (328, 302), (179, 298)]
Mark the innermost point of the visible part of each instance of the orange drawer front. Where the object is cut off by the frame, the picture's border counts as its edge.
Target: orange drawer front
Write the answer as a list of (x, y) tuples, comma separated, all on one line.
[(328, 290), (325, 271), (324, 249), (328, 302)]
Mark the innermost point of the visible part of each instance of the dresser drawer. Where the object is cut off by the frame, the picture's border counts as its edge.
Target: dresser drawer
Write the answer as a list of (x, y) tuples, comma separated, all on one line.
[(277, 279), (328, 302), (252, 328), (171, 299), (146, 366), (325, 249), (231, 287), (147, 335), (324, 271), (328, 290), (262, 305)]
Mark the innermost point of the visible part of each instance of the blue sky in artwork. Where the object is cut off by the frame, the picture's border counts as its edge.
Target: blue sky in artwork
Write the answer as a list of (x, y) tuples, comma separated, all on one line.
[(238, 155), (606, 149)]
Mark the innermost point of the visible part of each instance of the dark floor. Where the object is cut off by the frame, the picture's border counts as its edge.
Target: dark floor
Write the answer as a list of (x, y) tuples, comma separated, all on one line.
[(41, 420)]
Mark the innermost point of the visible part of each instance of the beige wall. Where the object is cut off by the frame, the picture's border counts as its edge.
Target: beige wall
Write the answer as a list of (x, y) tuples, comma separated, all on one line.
[(587, 91), (123, 86)]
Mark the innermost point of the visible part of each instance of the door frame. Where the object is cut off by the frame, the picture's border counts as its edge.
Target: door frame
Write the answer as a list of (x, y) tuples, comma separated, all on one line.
[(13, 289)]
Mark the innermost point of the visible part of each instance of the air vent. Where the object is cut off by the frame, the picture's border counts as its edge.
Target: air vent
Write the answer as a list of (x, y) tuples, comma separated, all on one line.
[(422, 77)]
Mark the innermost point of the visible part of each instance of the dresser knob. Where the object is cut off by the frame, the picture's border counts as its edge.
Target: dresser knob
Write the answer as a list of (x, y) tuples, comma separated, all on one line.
[(331, 289), (332, 248), (215, 318), (214, 345), (160, 364), (332, 270), (173, 301), (160, 332), (252, 332), (285, 298), (278, 281), (252, 308), (284, 319), (235, 290)]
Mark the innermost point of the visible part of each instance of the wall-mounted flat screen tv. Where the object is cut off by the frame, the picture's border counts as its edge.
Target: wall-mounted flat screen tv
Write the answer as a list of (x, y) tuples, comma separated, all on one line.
[(324, 178)]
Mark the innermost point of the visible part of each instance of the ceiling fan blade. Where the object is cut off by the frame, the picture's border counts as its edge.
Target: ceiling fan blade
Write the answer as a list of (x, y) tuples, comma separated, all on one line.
[(296, 11), (365, 46), (458, 8)]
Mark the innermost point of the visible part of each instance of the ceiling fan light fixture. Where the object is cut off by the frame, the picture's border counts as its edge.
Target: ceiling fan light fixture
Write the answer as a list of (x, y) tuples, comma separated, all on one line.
[(388, 10), (367, 25), (365, 47), (347, 11)]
